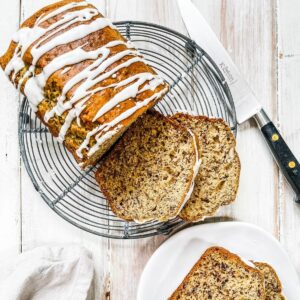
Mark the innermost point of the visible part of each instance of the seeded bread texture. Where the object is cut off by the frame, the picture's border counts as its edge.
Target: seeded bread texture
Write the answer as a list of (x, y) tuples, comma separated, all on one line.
[(221, 275), (218, 178), (273, 285), (76, 134), (148, 173)]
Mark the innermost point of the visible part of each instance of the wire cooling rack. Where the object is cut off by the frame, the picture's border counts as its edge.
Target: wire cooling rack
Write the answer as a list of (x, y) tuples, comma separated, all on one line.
[(197, 87)]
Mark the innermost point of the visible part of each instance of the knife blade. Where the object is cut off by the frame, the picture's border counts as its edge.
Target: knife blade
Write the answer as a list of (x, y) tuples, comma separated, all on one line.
[(246, 103)]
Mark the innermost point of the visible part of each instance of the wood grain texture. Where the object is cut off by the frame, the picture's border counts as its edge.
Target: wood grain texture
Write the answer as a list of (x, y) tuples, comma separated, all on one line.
[(10, 210), (248, 30), (289, 111)]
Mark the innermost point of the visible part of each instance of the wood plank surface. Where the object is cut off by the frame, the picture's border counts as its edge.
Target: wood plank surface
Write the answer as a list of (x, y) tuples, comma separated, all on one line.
[(250, 31), (289, 121), (10, 199), (246, 30)]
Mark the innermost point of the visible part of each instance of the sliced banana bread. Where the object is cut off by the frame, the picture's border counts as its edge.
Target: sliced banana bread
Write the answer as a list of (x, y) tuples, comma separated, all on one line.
[(221, 275), (272, 283), (218, 178), (149, 173)]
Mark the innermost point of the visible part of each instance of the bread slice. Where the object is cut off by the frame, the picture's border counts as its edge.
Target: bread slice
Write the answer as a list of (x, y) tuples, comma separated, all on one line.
[(273, 285), (149, 173), (218, 178), (221, 275)]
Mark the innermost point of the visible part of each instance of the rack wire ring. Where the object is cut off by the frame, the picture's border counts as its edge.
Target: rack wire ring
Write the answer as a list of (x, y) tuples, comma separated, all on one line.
[(197, 87)]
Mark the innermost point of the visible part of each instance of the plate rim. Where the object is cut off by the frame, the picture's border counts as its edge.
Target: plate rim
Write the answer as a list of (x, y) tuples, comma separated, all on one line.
[(184, 232)]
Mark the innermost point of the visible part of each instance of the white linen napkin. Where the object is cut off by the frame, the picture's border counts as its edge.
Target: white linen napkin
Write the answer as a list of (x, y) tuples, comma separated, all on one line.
[(47, 273)]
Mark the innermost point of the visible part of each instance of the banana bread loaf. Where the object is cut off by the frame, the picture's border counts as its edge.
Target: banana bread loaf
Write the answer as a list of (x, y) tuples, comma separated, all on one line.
[(85, 82)]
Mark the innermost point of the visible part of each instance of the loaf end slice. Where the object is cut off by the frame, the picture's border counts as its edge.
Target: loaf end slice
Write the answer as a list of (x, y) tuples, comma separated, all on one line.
[(221, 275), (82, 78), (218, 178), (149, 173), (273, 285)]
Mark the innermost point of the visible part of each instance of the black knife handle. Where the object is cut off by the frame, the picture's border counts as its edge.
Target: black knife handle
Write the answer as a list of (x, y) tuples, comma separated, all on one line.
[(284, 157)]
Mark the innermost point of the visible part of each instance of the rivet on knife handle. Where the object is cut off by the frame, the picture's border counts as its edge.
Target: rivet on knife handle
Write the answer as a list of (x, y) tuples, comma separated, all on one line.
[(282, 153)]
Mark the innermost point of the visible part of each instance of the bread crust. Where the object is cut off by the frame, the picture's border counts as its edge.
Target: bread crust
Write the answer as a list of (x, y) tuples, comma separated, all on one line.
[(112, 156), (29, 22), (226, 254)]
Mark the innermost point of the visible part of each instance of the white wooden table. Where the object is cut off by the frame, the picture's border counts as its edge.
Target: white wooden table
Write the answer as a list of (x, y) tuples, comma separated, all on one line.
[(263, 37)]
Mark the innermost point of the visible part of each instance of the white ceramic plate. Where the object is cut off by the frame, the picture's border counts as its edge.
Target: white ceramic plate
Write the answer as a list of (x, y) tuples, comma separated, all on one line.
[(173, 259)]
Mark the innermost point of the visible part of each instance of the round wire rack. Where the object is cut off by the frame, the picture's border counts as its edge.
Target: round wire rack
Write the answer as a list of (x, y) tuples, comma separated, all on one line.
[(196, 86)]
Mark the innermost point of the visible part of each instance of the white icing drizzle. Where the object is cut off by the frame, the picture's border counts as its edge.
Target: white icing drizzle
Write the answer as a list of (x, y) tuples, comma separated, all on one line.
[(94, 70), (75, 56), (103, 138), (49, 32), (79, 107), (42, 40), (59, 10), (129, 92), (27, 36), (107, 126), (248, 262), (28, 73), (15, 64), (89, 75), (195, 171), (66, 70), (71, 35)]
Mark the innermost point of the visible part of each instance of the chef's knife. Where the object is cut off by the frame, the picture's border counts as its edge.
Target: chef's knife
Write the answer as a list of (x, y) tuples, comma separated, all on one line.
[(246, 103)]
